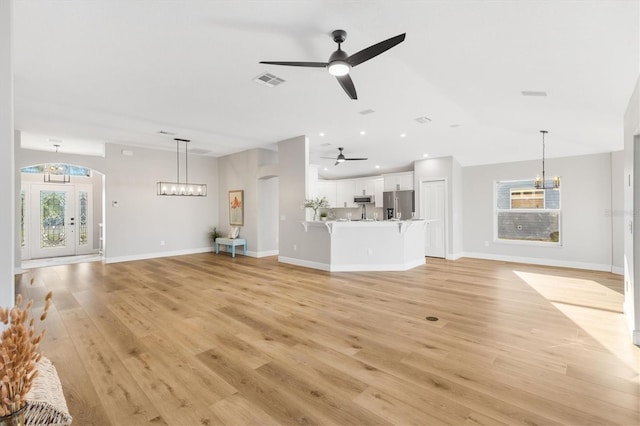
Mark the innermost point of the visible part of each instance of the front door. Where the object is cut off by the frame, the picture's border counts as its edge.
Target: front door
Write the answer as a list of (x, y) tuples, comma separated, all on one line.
[(60, 220), (433, 208)]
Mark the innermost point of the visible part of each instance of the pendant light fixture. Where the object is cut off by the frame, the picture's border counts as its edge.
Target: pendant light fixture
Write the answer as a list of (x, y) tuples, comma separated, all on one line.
[(541, 182), (182, 188), (56, 172)]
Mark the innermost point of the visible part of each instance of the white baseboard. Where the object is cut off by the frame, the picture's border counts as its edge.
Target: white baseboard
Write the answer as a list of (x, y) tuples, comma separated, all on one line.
[(454, 256), (352, 267), (144, 256), (619, 270), (266, 253), (539, 261), (304, 263)]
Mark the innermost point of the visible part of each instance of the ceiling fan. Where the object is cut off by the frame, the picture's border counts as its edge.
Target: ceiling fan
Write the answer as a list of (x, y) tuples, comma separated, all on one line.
[(340, 63), (341, 158)]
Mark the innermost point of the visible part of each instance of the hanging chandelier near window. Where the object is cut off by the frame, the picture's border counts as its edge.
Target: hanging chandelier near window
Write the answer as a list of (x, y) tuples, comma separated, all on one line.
[(540, 183), (56, 173), (182, 188)]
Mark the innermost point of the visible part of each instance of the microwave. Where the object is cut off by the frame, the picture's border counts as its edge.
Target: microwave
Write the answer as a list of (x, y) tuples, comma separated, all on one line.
[(363, 199)]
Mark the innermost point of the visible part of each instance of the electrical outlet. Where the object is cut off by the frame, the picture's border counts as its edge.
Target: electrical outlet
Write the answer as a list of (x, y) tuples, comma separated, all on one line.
[(295, 247), (370, 252), (161, 242)]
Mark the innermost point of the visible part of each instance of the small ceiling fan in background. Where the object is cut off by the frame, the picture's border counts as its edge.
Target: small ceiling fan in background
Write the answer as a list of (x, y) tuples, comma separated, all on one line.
[(341, 158), (340, 63)]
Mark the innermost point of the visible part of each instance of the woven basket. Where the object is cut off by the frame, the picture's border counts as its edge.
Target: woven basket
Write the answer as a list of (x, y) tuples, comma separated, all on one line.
[(45, 401)]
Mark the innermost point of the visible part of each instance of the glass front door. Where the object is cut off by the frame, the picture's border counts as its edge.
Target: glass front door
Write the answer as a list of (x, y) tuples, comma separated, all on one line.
[(60, 220)]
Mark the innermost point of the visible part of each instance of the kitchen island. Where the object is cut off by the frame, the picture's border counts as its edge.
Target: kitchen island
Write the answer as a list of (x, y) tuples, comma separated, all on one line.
[(365, 245)]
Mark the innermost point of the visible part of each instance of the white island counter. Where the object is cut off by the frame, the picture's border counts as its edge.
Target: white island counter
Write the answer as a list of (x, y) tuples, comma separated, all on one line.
[(365, 245)]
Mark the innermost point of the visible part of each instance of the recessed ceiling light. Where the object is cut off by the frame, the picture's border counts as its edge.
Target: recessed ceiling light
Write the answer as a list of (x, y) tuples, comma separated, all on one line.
[(425, 155), (326, 169), (403, 135), (321, 134), (533, 93), (377, 166), (362, 132)]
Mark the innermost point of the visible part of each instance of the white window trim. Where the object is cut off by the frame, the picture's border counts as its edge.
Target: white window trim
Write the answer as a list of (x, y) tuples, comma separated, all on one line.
[(497, 240)]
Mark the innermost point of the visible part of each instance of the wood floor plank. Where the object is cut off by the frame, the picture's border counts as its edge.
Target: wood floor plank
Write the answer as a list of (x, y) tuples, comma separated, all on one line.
[(206, 339)]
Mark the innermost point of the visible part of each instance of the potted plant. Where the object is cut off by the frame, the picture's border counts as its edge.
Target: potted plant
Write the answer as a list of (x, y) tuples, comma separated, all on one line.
[(213, 234), (323, 216), (315, 204), (19, 353)]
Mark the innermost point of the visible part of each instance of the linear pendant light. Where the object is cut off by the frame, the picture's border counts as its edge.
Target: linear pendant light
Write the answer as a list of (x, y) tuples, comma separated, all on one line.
[(182, 188)]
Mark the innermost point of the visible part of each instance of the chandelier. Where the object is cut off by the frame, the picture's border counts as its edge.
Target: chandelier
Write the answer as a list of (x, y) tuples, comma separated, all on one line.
[(182, 188), (540, 182), (56, 173)]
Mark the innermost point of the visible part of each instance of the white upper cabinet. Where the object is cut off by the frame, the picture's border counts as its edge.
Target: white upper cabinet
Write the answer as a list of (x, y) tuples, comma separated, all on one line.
[(398, 181), (327, 189), (340, 192), (345, 190), (378, 185)]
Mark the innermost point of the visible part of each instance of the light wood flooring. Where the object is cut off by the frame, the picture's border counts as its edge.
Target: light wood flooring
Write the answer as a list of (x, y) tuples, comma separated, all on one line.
[(205, 340)]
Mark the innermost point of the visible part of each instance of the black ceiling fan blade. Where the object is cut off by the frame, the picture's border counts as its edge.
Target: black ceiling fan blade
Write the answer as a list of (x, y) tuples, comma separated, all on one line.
[(297, 64), (347, 84), (337, 162), (375, 50), (355, 159)]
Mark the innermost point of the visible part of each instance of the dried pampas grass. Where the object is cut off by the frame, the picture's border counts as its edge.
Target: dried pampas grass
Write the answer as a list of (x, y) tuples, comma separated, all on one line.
[(19, 353)]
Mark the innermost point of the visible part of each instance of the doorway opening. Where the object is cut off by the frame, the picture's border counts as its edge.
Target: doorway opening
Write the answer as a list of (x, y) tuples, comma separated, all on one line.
[(61, 219)]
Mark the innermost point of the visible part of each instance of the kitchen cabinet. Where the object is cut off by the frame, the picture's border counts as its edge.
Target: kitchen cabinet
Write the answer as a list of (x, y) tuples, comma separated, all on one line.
[(378, 189), (340, 192), (345, 190), (364, 187), (327, 189), (398, 181)]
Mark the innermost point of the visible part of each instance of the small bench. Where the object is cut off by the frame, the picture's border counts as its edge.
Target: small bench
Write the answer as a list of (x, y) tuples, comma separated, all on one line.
[(233, 242)]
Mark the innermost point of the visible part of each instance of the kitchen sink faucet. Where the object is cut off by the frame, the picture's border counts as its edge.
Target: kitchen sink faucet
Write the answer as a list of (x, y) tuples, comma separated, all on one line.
[(364, 211)]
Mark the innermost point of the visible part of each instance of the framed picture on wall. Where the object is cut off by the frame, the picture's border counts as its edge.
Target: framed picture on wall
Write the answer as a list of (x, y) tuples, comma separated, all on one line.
[(236, 207)]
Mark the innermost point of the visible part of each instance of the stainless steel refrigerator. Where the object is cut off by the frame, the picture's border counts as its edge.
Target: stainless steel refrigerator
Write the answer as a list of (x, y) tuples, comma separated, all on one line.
[(395, 202)]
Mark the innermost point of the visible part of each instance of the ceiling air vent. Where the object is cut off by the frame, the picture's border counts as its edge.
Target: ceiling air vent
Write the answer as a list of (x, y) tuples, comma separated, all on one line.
[(367, 111), (269, 80), (199, 151), (164, 132), (533, 93), (423, 120)]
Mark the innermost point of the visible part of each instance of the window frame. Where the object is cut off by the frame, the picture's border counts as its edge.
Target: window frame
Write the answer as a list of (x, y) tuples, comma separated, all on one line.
[(522, 242)]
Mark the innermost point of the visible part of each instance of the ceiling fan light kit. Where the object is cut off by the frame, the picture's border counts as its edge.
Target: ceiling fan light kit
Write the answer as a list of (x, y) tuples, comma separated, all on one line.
[(341, 158), (340, 63)]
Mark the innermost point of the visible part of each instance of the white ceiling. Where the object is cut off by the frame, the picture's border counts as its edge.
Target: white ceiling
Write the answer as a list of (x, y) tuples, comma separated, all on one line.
[(120, 71)]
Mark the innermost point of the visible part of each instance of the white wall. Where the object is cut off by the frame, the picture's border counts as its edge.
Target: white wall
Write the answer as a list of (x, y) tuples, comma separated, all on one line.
[(617, 211), (586, 207), (631, 201), (244, 171), (7, 175), (238, 172), (268, 224), (135, 228), (295, 245)]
